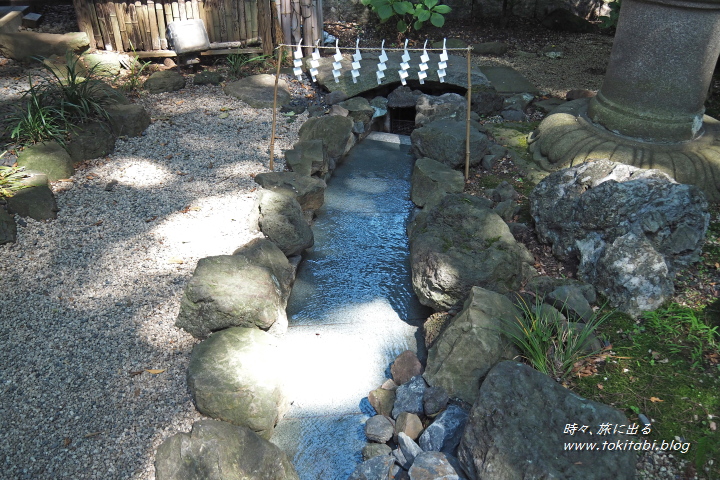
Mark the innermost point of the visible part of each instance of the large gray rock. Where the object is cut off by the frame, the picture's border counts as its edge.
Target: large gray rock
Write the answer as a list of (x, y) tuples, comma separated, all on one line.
[(431, 180), (432, 466), (128, 120), (26, 45), (258, 90), (310, 157), (359, 109), (336, 133), (216, 450), (308, 191), (164, 81), (456, 73), (91, 140), (448, 105), (471, 345), (379, 428), (445, 432), (249, 289), (102, 64), (235, 376), (444, 140), (516, 404), (36, 200), (281, 219), (49, 158), (602, 213), (459, 243), (8, 228)]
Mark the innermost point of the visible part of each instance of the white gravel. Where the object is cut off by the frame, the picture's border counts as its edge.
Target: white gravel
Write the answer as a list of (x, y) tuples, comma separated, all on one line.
[(90, 298)]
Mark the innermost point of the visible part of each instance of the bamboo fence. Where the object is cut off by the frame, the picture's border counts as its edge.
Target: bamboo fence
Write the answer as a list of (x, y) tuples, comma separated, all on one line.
[(140, 26)]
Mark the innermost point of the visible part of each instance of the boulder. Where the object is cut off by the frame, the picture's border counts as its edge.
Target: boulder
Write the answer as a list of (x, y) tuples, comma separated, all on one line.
[(207, 78), (517, 403), (590, 211), (258, 90), (431, 180), (444, 140), (409, 397), (91, 140), (448, 105), (333, 98), (216, 450), (36, 200), (459, 243), (359, 109), (281, 219), (490, 48), (335, 132), (128, 120), (486, 102), (102, 64), (26, 45), (403, 97), (432, 466), (405, 367), (8, 228), (49, 158), (309, 157), (445, 432), (434, 400), (409, 448), (471, 345), (249, 289), (382, 401), (308, 191), (379, 428), (164, 81), (236, 376), (377, 468)]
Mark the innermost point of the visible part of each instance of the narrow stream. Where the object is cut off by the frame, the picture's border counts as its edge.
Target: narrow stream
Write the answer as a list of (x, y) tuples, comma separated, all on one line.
[(352, 309)]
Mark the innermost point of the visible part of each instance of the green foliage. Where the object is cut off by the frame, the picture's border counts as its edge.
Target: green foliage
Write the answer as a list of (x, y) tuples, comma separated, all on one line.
[(240, 61), (10, 180), (410, 14), (610, 21), (132, 83), (550, 344), (65, 98)]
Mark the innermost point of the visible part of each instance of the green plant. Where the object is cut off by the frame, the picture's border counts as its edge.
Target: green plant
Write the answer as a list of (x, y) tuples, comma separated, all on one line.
[(411, 14), (611, 20), (136, 67), (550, 344), (238, 61), (10, 179), (66, 97)]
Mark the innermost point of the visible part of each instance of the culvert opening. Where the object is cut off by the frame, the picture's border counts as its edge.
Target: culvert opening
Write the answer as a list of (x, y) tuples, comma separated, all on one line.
[(402, 120)]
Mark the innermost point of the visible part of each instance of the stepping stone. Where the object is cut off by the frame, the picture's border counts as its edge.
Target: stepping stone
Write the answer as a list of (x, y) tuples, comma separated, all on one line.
[(258, 90), (508, 81)]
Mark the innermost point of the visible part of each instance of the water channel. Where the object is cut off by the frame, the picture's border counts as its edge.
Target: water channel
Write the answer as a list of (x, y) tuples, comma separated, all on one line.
[(352, 309)]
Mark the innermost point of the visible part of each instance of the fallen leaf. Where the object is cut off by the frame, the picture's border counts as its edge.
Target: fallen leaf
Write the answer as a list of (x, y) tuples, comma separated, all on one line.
[(176, 260), (66, 441), (136, 393), (136, 372), (655, 400), (179, 102), (148, 220), (93, 434), (98, 223), (181, 173), (66, 180), (153, 371), (224, 115), (168, 156), (190, 209), (600, 386)]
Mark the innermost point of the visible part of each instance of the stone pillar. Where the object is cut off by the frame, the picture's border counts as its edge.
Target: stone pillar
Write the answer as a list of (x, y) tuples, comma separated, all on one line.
[(660, 69), (649, 111)]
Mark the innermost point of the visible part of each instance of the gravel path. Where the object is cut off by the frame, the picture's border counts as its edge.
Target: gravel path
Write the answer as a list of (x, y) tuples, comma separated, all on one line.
[(90, 299)]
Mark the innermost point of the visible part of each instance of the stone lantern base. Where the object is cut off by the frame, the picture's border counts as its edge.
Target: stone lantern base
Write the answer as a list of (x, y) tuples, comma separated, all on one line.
[(567, 137)]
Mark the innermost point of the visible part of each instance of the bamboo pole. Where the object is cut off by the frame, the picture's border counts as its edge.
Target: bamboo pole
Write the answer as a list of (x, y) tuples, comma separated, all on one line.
[(122, 24), (215, 15), (265, 26), (182, 10), (103, 22), (131, 27), (195, 9), (160, 15), (467, 116), (153, 24), (84, 21), (242, 20), (175, 12), (234, 26), (274, 120), (95, 24), (189, 10), (167, 8), (144, 24)]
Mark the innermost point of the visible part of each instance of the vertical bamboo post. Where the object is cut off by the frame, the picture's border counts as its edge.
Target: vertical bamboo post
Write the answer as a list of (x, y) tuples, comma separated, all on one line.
[(274, 120), (467, 116)]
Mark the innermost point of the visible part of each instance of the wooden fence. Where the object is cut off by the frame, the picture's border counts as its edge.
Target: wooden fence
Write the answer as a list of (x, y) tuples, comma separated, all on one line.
[(140, 26)]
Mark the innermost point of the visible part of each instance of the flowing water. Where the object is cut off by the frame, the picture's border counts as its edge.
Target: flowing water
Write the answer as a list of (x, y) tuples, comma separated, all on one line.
[(352, 309)]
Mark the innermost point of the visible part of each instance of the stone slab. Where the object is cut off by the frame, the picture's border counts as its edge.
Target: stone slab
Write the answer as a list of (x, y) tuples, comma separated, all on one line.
[(508, 81)]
